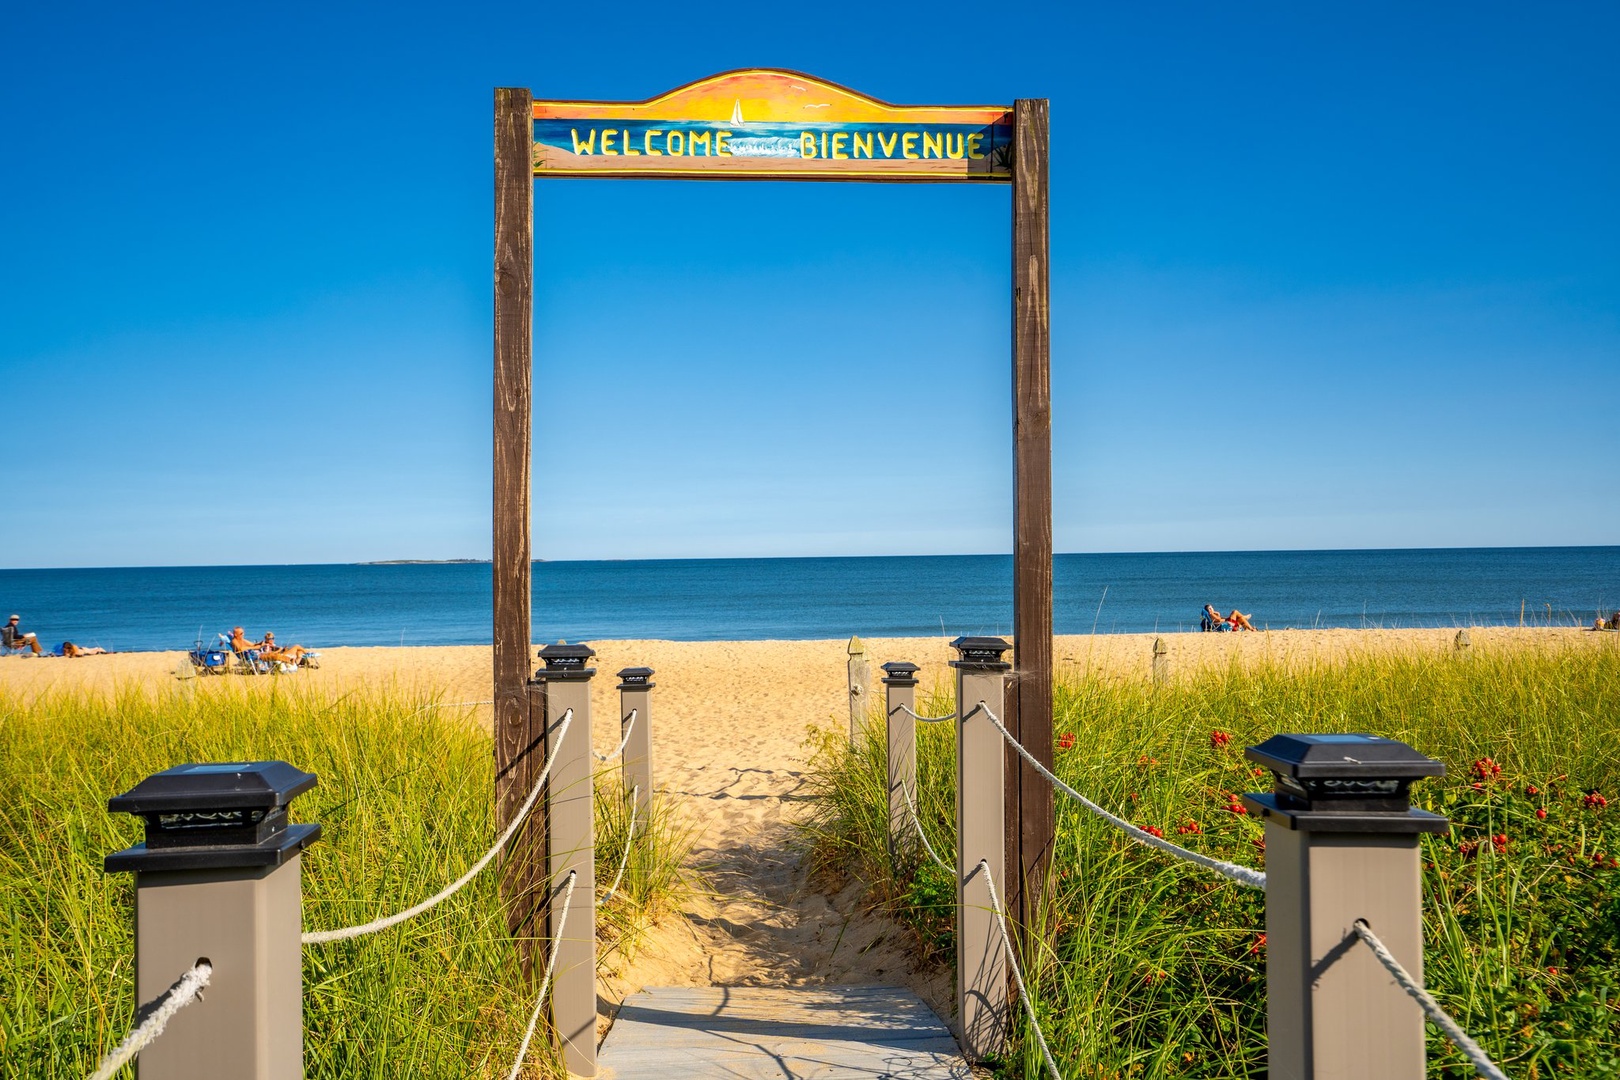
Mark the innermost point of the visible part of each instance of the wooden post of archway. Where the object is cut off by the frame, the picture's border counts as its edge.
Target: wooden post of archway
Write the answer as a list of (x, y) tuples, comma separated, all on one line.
[(518, 730), (750, 125), (1029, 795)]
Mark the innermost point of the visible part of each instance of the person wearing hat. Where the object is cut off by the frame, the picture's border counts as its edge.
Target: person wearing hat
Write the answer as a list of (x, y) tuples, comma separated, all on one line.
[(15, 638)]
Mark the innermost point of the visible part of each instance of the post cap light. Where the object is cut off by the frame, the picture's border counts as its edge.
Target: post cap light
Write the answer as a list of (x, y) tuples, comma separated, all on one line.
[(900, 673), (1343, 783), (565, 662), (636, 678), (215, 816), (980, 654)]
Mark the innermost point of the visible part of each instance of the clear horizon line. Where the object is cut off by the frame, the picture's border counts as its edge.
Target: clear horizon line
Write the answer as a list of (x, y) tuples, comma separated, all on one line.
[(786, 558)]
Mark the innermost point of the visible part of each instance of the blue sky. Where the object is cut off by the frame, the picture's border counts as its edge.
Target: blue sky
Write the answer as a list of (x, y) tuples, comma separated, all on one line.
[(1324, 276)]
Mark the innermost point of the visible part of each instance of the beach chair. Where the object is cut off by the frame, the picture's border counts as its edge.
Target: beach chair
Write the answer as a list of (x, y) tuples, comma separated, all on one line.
[(247, 661), (216, 660), (10, 646)]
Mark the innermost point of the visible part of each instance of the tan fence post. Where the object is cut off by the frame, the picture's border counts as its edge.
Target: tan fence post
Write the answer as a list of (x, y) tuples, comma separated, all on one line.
[(218, 879), (900, 694), (858, 675), (1342, 846), (981, 957), (572, 822), (1461, 643), (1161, 662), (636, 764)]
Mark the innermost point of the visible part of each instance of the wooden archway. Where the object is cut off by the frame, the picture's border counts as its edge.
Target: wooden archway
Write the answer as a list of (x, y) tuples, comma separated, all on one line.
[(750, 125)]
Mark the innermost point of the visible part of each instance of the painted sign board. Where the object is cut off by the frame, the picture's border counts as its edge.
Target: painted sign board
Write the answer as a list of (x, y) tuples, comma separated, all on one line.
[(768, 124)]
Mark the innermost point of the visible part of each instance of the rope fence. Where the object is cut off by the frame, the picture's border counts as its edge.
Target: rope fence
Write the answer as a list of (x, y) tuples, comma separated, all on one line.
[(1243, 875), (922, 835), (629, 726), (186, 989), (629, 842), (1471, 1050), (321, 937), (545, 983), (924, 719), (1018, 976)]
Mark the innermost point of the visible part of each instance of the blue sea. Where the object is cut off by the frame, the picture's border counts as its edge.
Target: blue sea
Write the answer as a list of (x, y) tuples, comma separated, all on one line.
[(748, 599)]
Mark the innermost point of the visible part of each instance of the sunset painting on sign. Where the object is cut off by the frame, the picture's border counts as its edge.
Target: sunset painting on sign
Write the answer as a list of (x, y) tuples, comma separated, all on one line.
[(772, 124)]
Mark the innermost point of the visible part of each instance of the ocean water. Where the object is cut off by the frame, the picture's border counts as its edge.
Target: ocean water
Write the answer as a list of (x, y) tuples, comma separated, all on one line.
[(749, 599)]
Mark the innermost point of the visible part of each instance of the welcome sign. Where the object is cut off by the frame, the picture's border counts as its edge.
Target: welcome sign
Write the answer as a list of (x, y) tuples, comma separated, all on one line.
[(769, 124)]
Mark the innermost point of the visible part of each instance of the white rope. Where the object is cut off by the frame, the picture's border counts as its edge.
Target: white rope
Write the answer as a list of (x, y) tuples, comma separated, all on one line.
[(319, 937), (1018, 976), (1243, 875), (545, 983), (925, 719), (630, 724), (923, 836), (1471, 1050), (186, 989), (629, 839)]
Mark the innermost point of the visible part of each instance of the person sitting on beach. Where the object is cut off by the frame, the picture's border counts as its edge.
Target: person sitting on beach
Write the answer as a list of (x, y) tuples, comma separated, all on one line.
[(1212, 620), (71, 650), (16, 638), (1239, 620), (240, 645), (269, 650)]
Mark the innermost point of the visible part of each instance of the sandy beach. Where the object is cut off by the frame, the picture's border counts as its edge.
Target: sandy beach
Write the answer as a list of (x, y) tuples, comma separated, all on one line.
[(730, 722)]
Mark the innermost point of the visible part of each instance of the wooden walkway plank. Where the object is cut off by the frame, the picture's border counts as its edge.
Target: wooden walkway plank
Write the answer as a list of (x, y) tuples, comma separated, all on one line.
[(769, 1033)]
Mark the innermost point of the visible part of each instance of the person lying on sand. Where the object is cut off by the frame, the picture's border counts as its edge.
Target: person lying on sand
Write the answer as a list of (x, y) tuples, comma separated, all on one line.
[(1239, 620), (269, 650), (71, 650), (16, 638)]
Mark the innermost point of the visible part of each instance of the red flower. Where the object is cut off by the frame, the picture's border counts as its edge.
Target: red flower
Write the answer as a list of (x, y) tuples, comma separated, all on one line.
[(1233, 806), (1532, 790), (1466, 849), (1065, 740), (1553, 972), (1500, 841), (1594, 801), (1135, 796), (1257, 773), (1145, 761), (1218, 739), (1541, 813), (1487, 769), (1258, 946), (1191, 828), (1153, 830)]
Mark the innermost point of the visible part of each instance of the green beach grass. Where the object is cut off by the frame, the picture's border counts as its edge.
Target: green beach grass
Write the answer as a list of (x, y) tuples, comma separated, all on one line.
[(1147, 967), (405, 802)]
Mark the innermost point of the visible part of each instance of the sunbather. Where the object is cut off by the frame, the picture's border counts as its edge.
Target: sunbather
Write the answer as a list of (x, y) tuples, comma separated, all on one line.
[(1239, 620), (269, 650), (1212, 620), (16, 638), (240, 644), (70, 649)]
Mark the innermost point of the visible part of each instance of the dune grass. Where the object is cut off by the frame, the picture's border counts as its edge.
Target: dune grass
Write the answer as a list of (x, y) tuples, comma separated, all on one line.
[(1150, 968), (404, 799)]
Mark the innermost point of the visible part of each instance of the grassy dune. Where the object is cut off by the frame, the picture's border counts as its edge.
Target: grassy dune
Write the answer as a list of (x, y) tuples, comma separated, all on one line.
[(405, 801), (1151, 968)]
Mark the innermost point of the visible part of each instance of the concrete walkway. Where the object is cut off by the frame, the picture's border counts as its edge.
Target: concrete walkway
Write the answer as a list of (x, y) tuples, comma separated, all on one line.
[(770, 1033)]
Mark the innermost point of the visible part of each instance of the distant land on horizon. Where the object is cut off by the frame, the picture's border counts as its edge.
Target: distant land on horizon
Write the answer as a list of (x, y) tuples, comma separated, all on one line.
[(424, 562)]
